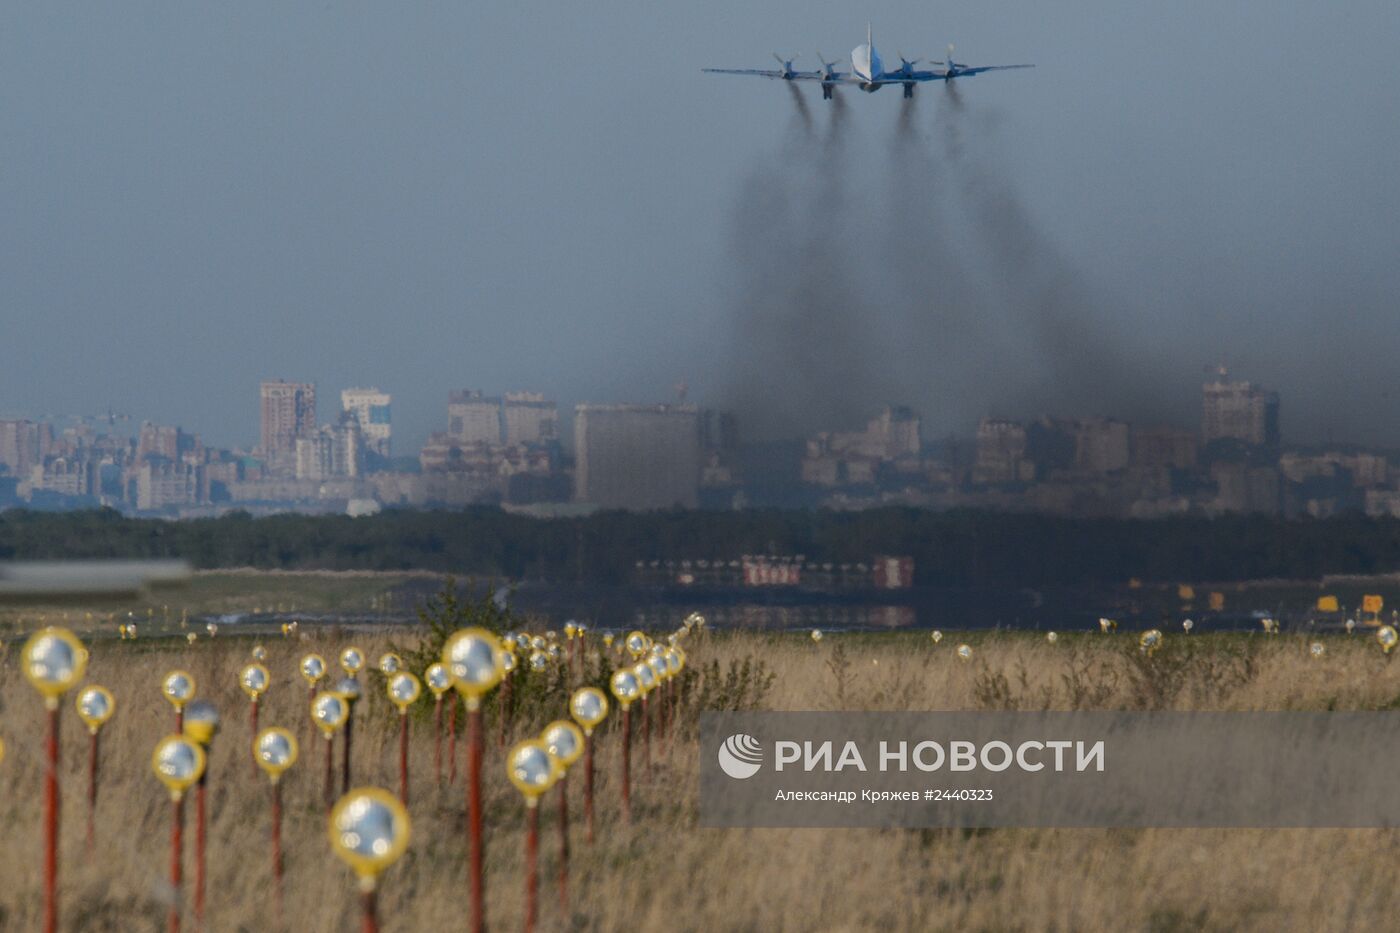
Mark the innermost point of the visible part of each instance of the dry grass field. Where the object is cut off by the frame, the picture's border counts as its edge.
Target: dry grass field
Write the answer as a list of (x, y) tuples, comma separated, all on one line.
[(663, 872)]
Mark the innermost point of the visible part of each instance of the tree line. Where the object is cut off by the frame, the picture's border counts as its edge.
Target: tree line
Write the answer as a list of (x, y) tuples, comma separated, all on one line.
[(948, 548)]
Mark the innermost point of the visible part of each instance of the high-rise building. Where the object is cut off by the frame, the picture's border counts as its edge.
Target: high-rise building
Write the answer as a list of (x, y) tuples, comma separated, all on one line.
[(372, 408), (24, 444), (473, 418), (530, 418), (1239, 411), (331, 451), (288, 412), (637, 456), (1001, 452), (1100, 445), (161, 440), (1164, 446)]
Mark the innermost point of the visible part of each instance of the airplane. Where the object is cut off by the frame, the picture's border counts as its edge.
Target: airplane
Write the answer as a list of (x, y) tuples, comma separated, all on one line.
[(867, 71)]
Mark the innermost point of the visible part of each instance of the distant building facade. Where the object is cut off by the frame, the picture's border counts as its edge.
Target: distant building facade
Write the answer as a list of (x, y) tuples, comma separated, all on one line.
[(374, 412), (23, 444), (1239, 411), (529, 418), (637, 456), (474, 418), (1001, 453), (288, 413)]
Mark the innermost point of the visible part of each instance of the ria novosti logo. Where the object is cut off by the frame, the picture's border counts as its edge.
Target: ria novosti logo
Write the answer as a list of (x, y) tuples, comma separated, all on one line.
[(741, 756)]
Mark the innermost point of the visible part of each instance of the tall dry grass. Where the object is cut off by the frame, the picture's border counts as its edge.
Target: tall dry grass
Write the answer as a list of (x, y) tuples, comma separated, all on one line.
[(664, 872)]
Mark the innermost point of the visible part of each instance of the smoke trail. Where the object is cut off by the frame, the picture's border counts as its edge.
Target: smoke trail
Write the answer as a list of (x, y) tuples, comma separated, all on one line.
[(947, 297), (1057, 323), (804, 116), (800, 343)]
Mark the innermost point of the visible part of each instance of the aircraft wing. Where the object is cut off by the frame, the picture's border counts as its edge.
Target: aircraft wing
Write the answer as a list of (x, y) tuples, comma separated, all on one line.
[(768, 73), (967, 72)]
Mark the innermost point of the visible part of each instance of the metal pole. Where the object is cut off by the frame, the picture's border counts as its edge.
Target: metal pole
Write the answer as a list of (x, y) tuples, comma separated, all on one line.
[(277, 848), (474, 810), (564, 845), (253, 718), (92, 791), (505, 711), (369, 901), (51, 823), (200, 826), (588, 783), (646, 733), (330, 771), (345, 750), (437, 739), (532, 850), (627, 764), (403, 757), (452, 742), (177, 844)]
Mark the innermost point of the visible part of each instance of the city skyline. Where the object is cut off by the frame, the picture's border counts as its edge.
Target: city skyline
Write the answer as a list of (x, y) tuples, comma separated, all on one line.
[(507, 449)]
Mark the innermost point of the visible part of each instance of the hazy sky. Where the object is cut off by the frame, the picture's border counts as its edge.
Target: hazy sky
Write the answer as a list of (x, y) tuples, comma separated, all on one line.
[(432, 196)]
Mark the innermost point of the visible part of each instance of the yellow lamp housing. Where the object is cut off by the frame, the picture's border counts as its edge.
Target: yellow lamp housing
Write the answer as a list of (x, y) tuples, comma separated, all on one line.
[(646, 677), (965, 652), (473, 658), (539, 661), (54, 663), (352, 659), (389, 663), (178, 687), (1150, 641), (369, 830), (563, 740), (589, 707), (259, 653), (659, 669), (201, 722), (313, 668), (95, 706), (636, 643), (508, 664), (275, 750), (403, 689), (438, 680), (625, 687), (1387, 638), (178, 762), (532, 769), (254, 680), (328, 712)]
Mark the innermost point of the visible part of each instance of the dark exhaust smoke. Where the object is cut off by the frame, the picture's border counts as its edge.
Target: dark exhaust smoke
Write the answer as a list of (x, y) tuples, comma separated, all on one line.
[(935, 289)]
